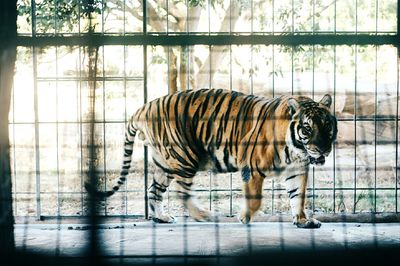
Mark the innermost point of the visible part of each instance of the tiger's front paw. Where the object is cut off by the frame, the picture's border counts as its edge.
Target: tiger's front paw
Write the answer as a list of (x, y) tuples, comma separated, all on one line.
[(165, 218), (244, 217), (306, 223)]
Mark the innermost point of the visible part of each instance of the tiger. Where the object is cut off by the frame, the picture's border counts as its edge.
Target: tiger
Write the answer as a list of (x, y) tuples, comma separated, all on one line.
[(227, 131)]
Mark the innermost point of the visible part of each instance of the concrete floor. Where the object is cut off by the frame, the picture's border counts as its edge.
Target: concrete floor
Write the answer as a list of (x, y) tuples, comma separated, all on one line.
[(145, 239)]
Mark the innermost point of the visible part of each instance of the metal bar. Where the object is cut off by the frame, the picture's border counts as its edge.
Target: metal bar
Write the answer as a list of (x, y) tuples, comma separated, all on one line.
[(114, 78), (355, 129), (339, 119), (125, 118), (313, 95), (334, 18), (14, 172), (104, 124), (35, 106), (167, 4), (230, 87), (292, 62), (217, 39), (145, 170), (57, 140), (397, 107), (334, 112), (81, 128), (37, 152), (375, 123)]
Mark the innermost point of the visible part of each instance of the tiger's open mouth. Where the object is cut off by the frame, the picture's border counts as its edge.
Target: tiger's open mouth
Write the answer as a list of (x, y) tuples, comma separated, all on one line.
[(317, 161)]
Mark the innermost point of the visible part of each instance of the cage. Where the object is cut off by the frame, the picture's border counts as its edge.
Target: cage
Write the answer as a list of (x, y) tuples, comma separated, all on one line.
[(83, 68)]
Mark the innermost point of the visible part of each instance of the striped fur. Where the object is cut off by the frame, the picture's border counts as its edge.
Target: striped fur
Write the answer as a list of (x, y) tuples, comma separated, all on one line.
[(228, 131)]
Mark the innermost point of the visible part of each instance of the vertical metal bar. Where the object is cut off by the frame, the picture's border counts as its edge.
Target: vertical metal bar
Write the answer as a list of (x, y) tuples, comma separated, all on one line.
[(58, 238), (375, 123), (273, 196), (230, 87), (397, 120), (169, 92), (210, 190), (35, 106), (124, 27), (334, 19), (209, 17), (146, 207), (168, 68), (102, 20), (14, 172), (188, 54), (292, 65), (273, 17), (37, 153), (251, 68), (80, 114), (252, 18), (55, 16), (104, 130), (375, 142), (187, 18), (81, 128), (273, 95), (313, 17), (355, 129), (209, 85), (57, 139), (397, 108), (313, 97), (376, 16), (292, 16), (334, 112), (167, 6), (356, 17), (230, 17), (125, 117)]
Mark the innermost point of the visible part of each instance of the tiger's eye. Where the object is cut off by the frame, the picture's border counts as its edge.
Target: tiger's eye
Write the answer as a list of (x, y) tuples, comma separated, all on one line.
[(307, 129)]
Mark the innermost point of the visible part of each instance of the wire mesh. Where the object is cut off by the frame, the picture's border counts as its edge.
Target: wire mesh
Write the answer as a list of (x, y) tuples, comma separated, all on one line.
[(266, 48)]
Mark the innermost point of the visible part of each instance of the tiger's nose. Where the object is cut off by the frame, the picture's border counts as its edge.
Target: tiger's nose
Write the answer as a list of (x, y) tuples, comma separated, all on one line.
[(324, 152)]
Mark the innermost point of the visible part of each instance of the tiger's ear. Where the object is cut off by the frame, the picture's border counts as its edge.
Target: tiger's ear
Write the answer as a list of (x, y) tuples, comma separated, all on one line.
[(293, 106), (326, 100)]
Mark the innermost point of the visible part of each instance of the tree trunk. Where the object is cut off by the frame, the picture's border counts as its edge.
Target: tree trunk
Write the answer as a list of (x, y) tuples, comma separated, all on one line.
[(206, 74), (172, 71), (8, 51)]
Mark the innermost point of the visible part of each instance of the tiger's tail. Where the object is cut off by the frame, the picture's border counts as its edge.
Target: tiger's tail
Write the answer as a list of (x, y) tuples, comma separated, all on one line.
[(130, 134)]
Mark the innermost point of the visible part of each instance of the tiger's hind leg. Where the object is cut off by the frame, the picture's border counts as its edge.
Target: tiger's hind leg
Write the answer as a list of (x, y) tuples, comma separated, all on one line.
[(156, 192), (184, 189), (253, 195)]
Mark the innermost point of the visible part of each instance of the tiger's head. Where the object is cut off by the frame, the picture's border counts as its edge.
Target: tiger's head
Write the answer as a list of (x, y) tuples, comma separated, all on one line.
[(313, 127)]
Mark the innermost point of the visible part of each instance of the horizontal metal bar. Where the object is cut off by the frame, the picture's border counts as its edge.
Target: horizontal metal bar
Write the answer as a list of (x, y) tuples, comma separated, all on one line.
[(218, 39), (284, 189), (226, 190), (73, 192), (85, 79), (339, 119)]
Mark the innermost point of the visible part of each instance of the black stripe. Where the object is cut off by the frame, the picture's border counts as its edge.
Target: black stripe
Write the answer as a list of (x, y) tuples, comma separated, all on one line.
[(259, 171), (183, 172), (290, 192), (293, 196), (290, 177), (294, 140), (185, 185), (254, 197)]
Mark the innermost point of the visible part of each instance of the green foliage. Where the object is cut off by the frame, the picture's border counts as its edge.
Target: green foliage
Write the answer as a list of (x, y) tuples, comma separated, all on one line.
[(58, 15)]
